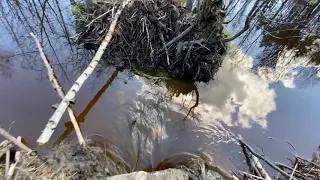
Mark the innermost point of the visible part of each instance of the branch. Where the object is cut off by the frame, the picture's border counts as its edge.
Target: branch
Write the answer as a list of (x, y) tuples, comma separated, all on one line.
[(14, 140), (56, 85), (165, 48), (221, 171), (265, 160), (55, 118), (177, 38)]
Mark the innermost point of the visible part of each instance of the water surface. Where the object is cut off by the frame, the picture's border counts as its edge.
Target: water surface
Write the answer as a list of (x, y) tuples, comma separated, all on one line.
[(266, 87)]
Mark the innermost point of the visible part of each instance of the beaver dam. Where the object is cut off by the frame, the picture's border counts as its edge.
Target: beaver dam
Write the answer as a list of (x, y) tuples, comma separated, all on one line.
[(183, 39), (70, 160)]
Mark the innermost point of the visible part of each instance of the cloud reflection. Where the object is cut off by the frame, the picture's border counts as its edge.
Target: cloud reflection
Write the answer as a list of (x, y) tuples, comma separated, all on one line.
[(237, 96)]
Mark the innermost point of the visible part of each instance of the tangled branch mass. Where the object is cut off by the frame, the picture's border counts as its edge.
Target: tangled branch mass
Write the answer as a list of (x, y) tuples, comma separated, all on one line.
[(155, 35)]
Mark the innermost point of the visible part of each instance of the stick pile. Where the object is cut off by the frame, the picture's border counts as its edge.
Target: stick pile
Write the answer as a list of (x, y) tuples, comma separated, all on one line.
[(159, 35)]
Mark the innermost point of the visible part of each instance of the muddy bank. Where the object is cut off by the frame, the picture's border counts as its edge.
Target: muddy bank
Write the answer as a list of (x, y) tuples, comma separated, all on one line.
[(69, 160), (72, 161), (183, 39)]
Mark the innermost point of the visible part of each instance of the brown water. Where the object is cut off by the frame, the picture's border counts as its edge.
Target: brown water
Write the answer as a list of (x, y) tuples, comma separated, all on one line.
[(266, 87)]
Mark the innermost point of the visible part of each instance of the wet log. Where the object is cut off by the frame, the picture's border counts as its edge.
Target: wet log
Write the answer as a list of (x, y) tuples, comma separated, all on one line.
[(55, 118)]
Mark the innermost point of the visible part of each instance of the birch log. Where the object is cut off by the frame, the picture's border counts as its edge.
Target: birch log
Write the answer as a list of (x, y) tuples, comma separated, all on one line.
[(56, 85), (55, 118)]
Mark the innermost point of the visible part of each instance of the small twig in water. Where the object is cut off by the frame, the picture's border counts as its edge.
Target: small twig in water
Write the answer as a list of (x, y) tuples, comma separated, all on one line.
[(10, 126)]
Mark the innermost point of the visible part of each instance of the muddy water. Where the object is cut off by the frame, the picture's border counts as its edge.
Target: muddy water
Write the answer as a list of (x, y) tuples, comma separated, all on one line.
[(147, 120)]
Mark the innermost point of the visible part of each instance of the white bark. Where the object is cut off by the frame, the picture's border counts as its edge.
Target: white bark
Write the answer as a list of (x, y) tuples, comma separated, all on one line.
[(56, 85), (55, 118), (13, 165), (263, 172)]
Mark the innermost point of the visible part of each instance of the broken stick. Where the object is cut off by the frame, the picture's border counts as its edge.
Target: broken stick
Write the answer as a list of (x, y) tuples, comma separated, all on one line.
[(55, 118), (14, 140), (56, 85)]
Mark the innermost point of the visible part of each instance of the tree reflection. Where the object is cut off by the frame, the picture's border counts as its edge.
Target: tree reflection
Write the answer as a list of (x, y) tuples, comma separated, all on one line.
[(82, 116), (5, 64), (53, 22), (282, 26)]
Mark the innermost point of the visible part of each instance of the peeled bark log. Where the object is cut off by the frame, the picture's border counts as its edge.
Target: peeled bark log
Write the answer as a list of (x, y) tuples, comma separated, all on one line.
[(56, 85), (55, 118)]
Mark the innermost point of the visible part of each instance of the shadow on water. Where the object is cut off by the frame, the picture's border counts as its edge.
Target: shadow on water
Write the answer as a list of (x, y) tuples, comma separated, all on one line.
[(82, 116), (156, 124)]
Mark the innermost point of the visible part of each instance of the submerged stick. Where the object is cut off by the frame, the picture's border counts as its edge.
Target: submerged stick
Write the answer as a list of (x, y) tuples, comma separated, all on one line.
[(55, 118), (56, 85), (265, 160), (14, 140)]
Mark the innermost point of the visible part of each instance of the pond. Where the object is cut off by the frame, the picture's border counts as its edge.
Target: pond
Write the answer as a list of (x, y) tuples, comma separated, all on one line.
[(265, 92)]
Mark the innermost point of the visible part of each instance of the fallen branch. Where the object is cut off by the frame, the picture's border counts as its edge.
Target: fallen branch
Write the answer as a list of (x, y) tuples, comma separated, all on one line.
[(261, 170), (56, 85), (221, 171), (177, 38), (265, 160), (14, 140), (55, 118)]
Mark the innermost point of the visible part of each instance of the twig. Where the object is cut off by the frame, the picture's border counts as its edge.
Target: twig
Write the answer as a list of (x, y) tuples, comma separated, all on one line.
[(11, 126), (165, 48), (251, 175), (56, 85), (55, 118), (301, 158), (295, 167), (98, 17), (265, 160), (7, 162), (273, 138), (177, 38), (14, 140)]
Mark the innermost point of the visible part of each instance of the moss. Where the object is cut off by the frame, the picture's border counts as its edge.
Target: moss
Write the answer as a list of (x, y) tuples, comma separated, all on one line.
[(76, 9), (228, 34)]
